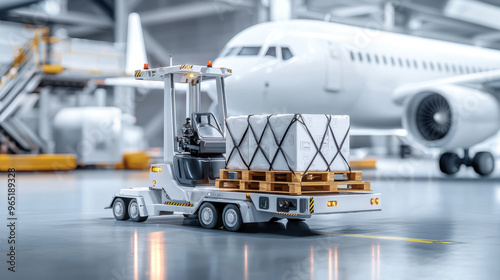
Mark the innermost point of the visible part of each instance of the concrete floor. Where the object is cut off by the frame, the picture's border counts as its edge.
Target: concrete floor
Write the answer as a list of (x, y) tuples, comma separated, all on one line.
[(63, 232)]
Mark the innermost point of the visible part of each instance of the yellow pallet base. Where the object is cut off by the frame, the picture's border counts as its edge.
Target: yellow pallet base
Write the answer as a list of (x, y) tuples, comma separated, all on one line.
[(366, 163), (43, 162), (136, 160)]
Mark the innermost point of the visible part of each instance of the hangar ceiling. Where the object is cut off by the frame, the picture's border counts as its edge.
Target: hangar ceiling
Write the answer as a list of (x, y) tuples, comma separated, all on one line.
[(199, 29)]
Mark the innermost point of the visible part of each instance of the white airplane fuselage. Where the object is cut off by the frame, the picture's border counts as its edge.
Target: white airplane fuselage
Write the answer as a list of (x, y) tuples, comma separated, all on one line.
[(338, 69)]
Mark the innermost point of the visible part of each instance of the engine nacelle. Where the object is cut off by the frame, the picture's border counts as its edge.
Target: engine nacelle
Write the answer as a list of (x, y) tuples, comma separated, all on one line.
[(450, 116)]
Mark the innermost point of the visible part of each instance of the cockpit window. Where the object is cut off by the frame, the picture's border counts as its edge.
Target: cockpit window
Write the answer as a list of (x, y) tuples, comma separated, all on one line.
[(286, 53), (249, 51), (271, 51), (228, 52)]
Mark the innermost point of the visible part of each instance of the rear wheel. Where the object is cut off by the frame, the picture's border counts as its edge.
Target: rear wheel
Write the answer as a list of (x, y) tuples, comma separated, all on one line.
[(120, 209), (208, 215), (483, 163), (231, 217), (133, 211), (449, 163)]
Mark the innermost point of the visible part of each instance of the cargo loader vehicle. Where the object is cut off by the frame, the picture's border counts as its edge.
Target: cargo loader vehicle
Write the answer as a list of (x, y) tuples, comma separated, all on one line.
[(193, 180)]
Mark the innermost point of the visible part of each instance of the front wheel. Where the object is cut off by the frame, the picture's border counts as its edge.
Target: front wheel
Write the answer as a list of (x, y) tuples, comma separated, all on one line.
[(231, 217), (133, 211), (449, 163), (483, 163), (120, 209)]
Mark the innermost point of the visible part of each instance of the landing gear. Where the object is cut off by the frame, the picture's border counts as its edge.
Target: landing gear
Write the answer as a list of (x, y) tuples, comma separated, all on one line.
[(483, 162), (449, 163)]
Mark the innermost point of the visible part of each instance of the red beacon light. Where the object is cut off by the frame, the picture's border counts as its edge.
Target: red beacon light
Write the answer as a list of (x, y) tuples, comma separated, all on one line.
[(146, 66), (209, 63)]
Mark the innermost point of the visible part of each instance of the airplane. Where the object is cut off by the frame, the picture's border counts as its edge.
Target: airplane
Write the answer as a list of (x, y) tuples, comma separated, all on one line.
[(443, 94), (439, 94)]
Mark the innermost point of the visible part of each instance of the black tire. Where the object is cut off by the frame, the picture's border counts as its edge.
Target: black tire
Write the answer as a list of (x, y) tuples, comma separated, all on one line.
[(120, 209), (231, 217), (297, 227), (133, 212), (208, 216), (483, 163), (449, 163)]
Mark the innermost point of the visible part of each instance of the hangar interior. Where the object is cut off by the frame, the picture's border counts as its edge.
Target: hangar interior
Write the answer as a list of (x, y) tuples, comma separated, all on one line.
[(58, 63)]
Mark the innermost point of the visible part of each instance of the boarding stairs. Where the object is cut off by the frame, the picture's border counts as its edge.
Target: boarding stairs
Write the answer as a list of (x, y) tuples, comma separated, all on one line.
[(18, 81)]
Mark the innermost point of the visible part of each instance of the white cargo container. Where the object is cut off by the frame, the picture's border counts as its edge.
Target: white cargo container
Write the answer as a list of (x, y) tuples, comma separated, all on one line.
[(288, 142)]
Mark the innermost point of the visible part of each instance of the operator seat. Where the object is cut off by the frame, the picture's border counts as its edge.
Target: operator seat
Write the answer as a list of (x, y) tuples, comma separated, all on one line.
[(210, 136)]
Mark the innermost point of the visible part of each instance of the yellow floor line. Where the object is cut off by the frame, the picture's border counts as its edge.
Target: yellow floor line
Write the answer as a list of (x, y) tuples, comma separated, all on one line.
[(417, 240)]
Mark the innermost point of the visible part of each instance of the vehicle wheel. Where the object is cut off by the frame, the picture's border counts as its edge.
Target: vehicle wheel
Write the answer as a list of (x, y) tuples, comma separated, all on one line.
[(449, 163), (483, 163), (120, 209), (133, 211), (297, 227), (208, 215), (231, 217)]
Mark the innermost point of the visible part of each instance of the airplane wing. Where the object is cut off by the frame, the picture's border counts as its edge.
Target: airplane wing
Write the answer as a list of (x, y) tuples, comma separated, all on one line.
[(486, 78)]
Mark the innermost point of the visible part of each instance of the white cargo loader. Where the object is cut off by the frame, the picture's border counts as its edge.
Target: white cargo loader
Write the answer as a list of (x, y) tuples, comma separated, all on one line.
[(193, 156)]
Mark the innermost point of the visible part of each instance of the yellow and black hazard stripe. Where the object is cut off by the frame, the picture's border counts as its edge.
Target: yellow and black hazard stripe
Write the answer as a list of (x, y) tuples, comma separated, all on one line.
[(179, 204), (288, 214), (137, 73), (311, 205)]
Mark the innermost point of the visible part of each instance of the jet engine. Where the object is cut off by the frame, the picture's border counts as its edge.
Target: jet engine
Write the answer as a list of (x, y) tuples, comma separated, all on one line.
[(450, 117)]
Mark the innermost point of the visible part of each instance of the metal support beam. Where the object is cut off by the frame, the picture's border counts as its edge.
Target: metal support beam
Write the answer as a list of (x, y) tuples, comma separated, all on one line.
[(355, 11), (184, 12), (44, 122), (170, 123), (70, 17)]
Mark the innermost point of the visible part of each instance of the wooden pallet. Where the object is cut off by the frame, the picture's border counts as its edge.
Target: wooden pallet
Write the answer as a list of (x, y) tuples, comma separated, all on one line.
[(288, 176), (289, 183)]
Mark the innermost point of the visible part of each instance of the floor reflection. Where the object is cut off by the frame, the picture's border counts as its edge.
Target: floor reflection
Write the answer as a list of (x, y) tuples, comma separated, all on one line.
[(136, 257), (376, 261), (333, 265), (246, 261), (157, 263), (312, 263)]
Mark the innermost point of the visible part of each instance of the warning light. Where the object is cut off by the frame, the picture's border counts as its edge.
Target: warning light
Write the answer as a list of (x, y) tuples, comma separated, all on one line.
[(372, 201), (191, 75), (248, 195), (155, 169), (377, 200), (209, 63), (146, 66), (154, 182), (331, 203)]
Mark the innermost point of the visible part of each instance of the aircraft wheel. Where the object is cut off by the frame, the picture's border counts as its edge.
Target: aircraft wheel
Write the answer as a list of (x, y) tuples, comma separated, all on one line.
[(208, 215), (133, 211), (449, 163), (120, 209), (483, 163), (231, 218)]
